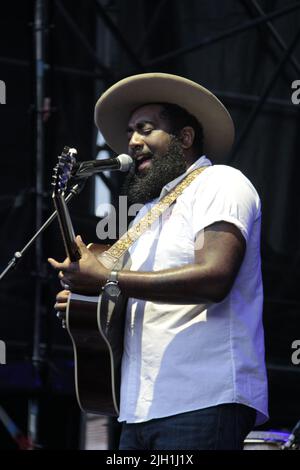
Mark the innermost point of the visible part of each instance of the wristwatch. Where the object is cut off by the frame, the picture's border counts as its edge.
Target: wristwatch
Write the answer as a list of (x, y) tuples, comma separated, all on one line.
[(111, 287)]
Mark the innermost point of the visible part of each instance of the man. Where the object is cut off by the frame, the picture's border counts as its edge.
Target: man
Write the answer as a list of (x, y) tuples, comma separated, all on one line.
[(193, 372)]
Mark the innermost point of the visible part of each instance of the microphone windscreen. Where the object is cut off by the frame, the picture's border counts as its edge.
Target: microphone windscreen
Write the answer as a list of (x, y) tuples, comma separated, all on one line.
[(125, 161)]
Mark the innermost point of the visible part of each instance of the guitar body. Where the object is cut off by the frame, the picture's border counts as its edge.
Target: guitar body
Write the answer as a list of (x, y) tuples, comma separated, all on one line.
[(96, 328)]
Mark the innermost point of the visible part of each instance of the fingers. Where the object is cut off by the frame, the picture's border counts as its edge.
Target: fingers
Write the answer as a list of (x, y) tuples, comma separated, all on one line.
[(62, 301), (65, 283), (60, 307), (66, 266), (79, 240), (54, 263), (63, 296), (81, 244)]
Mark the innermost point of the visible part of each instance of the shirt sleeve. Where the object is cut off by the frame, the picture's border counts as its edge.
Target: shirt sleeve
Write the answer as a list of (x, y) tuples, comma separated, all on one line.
[(225, 195)]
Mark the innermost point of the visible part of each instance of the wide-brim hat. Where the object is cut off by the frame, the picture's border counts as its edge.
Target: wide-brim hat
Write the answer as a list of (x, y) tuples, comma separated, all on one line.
[(114, 107)]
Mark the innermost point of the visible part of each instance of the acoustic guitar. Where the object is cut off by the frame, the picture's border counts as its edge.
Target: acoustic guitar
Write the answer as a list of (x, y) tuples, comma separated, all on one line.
[(95, 324)]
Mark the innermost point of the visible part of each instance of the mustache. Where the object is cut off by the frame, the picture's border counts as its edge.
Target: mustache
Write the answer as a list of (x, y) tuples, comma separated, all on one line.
[(137, 154)]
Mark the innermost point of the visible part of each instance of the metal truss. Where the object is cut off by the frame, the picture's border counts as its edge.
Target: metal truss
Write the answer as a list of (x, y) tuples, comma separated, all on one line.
[(107, 75), (102, 72), (255, 111), (263, 20), (253, 7), (224, 35)]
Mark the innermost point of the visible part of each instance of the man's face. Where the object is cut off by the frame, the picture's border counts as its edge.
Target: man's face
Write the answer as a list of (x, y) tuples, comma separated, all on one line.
[(158, 155), (148, 134)]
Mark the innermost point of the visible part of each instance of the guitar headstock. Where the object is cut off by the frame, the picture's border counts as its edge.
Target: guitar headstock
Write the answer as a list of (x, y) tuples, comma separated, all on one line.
[(62, 172), (61, 176)]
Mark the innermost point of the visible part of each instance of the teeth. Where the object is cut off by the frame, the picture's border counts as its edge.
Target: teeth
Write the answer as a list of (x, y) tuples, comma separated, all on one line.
[(143, 157)]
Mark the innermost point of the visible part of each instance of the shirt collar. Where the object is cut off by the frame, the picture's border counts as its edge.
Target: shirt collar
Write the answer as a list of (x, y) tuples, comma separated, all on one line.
[(202, 161)]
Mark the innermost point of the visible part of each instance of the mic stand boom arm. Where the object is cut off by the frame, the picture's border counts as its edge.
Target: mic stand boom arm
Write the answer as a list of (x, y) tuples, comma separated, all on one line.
[(18, 256)]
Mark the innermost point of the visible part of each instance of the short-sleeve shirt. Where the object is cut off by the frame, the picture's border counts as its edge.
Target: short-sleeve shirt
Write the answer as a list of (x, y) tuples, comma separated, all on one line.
[(179, 358)]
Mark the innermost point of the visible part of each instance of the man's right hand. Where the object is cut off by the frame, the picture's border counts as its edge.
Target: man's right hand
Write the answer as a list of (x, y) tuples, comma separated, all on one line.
[(61, 300)]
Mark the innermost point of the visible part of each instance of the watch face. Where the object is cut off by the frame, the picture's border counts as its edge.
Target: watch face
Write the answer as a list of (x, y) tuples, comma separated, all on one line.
[(112, 289)]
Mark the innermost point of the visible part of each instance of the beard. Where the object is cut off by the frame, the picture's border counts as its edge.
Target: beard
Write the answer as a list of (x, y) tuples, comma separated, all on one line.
[(144, 187)]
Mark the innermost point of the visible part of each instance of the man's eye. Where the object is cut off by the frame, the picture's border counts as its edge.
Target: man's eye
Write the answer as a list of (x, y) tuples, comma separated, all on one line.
[(147, 131)]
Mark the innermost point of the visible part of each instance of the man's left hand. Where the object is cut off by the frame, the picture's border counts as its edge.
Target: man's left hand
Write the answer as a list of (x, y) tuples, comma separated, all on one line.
[(85, 276)]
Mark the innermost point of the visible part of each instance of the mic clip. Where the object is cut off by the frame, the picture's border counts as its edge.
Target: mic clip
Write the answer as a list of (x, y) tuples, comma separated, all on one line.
[(83, 170)]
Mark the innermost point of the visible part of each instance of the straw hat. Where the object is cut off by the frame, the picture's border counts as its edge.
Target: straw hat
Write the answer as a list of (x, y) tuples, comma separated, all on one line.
[(114, 107)]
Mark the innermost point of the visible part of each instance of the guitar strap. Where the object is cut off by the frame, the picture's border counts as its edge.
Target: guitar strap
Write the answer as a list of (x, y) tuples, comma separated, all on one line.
[(118, 249)]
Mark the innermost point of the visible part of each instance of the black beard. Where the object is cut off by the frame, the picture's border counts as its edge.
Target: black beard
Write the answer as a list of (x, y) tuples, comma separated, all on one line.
[(142, 188)]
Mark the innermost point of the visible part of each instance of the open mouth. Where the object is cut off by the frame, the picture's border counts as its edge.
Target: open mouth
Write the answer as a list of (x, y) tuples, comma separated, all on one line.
[(143, 162)]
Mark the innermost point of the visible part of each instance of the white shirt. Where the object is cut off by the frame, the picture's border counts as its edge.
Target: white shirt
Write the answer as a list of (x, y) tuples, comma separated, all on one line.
[(179, 358)]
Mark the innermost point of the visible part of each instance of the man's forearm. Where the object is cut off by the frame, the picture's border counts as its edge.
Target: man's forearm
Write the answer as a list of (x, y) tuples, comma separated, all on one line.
[(190, 284)]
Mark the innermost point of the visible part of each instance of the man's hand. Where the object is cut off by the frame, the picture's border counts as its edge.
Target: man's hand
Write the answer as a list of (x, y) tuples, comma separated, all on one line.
[(85, 276), (61, 301)]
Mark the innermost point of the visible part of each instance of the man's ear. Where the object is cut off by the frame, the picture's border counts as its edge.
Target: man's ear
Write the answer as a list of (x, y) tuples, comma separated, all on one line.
[(187, 136)]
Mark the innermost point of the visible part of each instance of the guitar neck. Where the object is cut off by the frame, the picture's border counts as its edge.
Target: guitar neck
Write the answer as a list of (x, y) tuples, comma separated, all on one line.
[(66, 228)]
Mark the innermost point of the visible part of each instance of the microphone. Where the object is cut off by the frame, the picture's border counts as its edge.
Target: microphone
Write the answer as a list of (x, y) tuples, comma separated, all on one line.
[(85, 169)]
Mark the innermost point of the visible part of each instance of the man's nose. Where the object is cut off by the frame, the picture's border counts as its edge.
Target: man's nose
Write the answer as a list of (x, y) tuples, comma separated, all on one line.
[(136, 141)]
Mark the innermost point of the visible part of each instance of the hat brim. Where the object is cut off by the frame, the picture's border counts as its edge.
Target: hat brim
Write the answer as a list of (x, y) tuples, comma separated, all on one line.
[(114, 107)]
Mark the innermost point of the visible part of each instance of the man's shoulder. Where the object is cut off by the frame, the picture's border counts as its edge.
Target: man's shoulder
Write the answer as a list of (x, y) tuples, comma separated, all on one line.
[(222, 171), (226, 186), (228, 177)]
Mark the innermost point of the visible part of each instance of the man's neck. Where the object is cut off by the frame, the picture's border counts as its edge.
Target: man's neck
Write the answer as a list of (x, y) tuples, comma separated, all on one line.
[(190, 158)]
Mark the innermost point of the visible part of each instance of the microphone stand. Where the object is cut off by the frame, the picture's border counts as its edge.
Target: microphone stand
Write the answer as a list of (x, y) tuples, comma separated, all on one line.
[(18, 256), (293, 442), (34, 405)]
